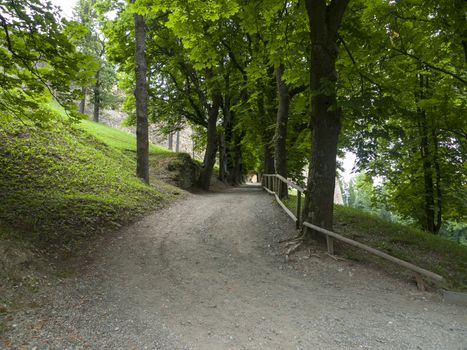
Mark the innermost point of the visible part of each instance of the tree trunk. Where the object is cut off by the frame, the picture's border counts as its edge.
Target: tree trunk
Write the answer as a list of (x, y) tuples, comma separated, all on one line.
[(268, 159), (141, 95), (235, 172), (222, 158), (429, 224), (97, 98), (177, 141), (324, 22), (170, 138), (439, 198), (268, 156), (82, 103), (225, 154), (211, 147), (432, 222), (280, 137)]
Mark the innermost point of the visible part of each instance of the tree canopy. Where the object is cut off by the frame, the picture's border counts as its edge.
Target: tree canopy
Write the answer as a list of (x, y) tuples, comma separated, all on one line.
[(275, 86), (38, 60)]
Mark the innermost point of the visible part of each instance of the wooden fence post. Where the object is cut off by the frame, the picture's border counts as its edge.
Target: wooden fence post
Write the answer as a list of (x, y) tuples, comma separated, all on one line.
[(299, 209), (330, 245)]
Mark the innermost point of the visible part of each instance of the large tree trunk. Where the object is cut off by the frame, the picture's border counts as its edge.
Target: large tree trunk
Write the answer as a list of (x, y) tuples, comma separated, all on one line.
[(211, 147), (222, 158), (141, 95), (280, 137), (432, 220), (264, 115), (268, 159), (235, 174), (97, 98), (225, 140), (325, 116), (82, 103)]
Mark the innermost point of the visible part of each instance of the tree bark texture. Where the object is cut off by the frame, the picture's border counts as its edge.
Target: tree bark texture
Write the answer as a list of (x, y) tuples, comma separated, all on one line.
[(325, 123), (428, 146), (82, 103), (222, 158), (280, 137), (235, 173), (141, 95), (211, 147), (265, 115), (225, 140)]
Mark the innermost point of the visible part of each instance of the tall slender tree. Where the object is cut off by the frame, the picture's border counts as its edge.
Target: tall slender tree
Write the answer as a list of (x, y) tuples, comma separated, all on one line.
[(141, 97)]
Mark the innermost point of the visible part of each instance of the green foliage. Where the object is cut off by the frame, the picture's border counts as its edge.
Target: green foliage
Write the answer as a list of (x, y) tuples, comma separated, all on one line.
[(38, 60), (402, 132), (431, 252), (195, 48), (434, 253), (61, 182), (92, 43)]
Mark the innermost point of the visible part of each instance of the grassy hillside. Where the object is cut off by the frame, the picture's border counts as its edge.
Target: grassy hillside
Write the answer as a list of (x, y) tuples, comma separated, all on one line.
[(434, 253), (178, 169), (117, 139), (63, 182)]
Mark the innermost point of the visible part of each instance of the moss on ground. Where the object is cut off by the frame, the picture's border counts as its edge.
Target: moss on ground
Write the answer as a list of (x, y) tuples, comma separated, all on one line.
[(431, 252), (62, 182)]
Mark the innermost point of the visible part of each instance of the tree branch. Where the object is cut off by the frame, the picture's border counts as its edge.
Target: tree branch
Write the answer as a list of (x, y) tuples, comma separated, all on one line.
[(334, 14), (362, 76), (442, 70)]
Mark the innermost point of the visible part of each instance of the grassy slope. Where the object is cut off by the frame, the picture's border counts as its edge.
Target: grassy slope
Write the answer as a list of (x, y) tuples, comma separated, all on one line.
[(117, 139), (58, 186), (63, 182), (431, 252)]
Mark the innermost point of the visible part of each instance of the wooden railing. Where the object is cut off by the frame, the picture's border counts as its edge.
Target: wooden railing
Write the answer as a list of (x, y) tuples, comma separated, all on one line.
[(273, 183)]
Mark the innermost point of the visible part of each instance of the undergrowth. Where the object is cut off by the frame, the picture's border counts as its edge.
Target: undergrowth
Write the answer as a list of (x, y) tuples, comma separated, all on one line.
[(431, 252)]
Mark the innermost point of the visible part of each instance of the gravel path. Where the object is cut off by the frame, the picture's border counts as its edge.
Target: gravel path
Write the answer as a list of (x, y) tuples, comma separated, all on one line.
[(206, 273)]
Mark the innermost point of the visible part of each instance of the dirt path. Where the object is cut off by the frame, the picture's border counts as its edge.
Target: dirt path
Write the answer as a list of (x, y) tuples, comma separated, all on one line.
[(206, 273)]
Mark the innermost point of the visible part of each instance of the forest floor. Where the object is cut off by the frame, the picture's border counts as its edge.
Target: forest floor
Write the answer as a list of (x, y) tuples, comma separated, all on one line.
[(207, 273)]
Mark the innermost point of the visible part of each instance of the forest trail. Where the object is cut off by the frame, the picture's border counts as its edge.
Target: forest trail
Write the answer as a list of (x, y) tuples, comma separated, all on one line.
[(207, 273)]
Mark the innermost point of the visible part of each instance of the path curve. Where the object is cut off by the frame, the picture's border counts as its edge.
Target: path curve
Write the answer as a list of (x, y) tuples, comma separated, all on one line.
[(206, 273)]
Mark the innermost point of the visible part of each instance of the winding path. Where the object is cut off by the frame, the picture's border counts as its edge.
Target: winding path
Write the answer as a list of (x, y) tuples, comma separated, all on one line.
[(206, 273)]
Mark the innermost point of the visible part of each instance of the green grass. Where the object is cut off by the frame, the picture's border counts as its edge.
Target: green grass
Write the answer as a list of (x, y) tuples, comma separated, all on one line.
[(434, 253), (64, 182), (117, 139)]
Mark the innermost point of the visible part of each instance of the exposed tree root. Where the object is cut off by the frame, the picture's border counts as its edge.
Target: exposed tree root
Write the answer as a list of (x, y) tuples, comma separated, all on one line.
[(335, 257), (293, 247), (291, 243), (294, 239), (310, 254)]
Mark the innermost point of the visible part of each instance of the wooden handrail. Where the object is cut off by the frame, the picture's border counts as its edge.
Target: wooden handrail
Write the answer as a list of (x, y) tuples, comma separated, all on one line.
[(376, 252), (290, 183), (332, 235)]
